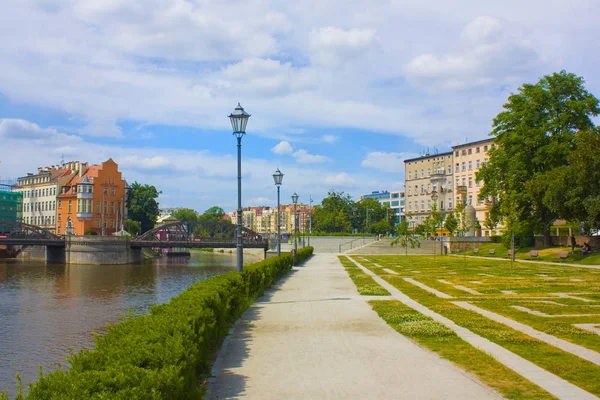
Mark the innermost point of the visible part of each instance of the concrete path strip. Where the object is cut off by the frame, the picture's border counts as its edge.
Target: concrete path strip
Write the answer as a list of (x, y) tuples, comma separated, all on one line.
[(389, 271), (313, 337), (544, 379), (428, 288), (569, 347)]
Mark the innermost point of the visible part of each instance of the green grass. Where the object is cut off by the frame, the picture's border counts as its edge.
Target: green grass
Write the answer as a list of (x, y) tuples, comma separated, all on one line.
[(364, 283), (547, 255), (447, 344), (524, 279)]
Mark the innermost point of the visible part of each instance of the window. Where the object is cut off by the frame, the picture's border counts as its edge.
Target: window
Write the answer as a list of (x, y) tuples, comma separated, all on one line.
[(79, 204), (471, 199), (470, 165), (428, 205), (112, 190), (442, 205), (470, 181), (457, 182), (422, 189), (410, 206), (478, 183), (428, 171), (457, 169), (112, 207), (409, 175), (105, 191), (53, 220), (457, 154), (449, 169), (105, 208), (478, 150), (97, 222), (485, 162), (478, 164), (464, 152), (422, 173), (464, 181), (70, 206), (98, 207), (112, 223), (422, 205), (464, 166), (485, 148), (409, 191), (394, 196)]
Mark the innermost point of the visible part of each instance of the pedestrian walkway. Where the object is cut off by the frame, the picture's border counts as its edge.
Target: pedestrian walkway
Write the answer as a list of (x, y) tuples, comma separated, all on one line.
[(312, 337)]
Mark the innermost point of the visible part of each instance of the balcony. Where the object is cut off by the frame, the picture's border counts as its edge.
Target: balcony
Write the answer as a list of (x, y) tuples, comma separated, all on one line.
[(84, 216), (85, 195), (461, 189)]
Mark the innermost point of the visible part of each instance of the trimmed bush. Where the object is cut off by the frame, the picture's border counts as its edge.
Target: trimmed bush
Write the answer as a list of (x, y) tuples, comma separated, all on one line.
[(160, 355), (304, 253)]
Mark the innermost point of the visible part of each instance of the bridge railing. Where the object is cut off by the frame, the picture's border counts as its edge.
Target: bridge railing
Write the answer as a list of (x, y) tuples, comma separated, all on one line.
[(354, 243)]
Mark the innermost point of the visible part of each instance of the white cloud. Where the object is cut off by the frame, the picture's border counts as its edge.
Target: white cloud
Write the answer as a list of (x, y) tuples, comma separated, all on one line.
[(259, 201), (340, 180), (331, 139), (21, 129), (303, 157), (154, 162), (386, 162), (332, 46), (493, 52), (283, 147)]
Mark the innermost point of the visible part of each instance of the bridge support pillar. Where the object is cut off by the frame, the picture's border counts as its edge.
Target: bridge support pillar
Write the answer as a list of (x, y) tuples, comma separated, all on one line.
[(55, 255)]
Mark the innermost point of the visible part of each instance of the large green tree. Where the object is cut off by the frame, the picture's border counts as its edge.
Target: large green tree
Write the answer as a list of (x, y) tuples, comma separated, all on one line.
[(142, 205), (333, 213), (532, 136), (186, 215)]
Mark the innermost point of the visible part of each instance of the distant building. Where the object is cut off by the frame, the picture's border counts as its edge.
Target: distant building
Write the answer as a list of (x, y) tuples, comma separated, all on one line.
[(167, 211), (263, 219), (395, 200), (11, 205), (92, 200)]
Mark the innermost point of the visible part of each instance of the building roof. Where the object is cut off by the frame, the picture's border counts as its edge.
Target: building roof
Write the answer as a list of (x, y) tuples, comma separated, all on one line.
[(427, 156), (489, 140)]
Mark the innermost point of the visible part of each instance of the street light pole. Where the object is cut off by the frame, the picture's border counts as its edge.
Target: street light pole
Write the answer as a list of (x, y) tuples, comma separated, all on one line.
[(278, 178), (310, 201), (295, 201), (239, 120)]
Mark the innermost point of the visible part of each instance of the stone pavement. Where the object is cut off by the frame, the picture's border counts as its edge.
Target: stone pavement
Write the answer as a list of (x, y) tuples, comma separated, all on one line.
[(314, 337)]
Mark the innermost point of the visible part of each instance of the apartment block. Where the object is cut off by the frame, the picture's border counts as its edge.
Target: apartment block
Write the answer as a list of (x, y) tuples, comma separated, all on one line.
[(428, 179), (468, 158), (39, 191), (11, 205)]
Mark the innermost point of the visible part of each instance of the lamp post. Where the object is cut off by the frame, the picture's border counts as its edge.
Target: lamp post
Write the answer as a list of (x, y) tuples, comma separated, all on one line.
[(239, 120), (278, 179), (434, 197), (310, 201), (369, 220), (295, 201)]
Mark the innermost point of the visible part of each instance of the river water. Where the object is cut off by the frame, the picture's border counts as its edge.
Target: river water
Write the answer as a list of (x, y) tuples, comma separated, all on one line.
[(45, 309)]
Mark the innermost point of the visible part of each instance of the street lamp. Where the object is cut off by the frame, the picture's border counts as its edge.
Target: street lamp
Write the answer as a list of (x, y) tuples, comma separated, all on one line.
[(295, 201), (278, 179), (239, 120), (309, 218), (368, 219)]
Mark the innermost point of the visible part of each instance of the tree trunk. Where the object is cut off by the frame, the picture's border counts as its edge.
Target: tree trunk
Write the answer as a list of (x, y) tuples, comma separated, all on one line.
[(547, 240)]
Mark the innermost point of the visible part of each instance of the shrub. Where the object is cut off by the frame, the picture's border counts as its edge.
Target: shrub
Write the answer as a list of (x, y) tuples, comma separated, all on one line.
[(160, 355), (90, 232), (304, 253)]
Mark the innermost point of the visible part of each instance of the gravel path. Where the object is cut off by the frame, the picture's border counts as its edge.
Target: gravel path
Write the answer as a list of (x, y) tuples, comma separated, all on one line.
[(313, 337)]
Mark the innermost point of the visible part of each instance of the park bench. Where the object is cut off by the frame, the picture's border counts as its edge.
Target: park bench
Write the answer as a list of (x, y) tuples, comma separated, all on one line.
[(492, 251), (476, 251), (533, 253), (562, 254)]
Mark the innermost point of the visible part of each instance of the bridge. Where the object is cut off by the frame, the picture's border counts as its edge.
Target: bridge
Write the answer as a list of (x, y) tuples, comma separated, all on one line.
[(206, 234)]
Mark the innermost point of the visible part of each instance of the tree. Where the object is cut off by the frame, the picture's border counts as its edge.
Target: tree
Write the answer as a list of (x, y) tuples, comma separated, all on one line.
[(142, 205), (133, 227), (534, 135), (404, 237), (214, 213), (492, 218), (332, 215), (451, 223), (186, 215)]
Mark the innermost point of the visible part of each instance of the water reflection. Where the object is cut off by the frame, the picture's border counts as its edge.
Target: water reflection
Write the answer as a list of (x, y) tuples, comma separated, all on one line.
[(47, 309)]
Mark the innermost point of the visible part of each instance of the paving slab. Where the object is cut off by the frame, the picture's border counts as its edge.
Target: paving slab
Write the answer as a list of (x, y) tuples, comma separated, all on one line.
[(313, 337)]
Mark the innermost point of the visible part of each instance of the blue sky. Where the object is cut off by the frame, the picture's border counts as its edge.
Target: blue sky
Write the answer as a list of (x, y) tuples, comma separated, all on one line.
[(340, 93)]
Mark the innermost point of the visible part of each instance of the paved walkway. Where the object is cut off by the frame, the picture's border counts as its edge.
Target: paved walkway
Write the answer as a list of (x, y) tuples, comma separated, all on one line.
[(313, 337)]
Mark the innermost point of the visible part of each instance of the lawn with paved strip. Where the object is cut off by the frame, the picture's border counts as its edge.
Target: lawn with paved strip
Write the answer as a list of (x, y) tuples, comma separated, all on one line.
[(533, 285), (549, 254), (447, 344), (364, 283)]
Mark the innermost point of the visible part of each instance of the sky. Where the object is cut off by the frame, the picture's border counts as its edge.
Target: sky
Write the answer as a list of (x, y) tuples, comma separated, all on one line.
[(340, 92)]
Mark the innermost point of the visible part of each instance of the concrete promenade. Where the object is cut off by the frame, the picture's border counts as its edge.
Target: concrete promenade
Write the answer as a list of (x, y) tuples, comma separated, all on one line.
[(314, 337)]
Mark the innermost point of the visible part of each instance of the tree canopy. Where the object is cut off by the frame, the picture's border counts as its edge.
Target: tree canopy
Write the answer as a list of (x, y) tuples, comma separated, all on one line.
[(142, 205), (533, 138)]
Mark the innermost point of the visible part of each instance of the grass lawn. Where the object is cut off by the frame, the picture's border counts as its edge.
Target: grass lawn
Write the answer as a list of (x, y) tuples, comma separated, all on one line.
[(447, 344), (535, 286), (364, 283), (548, 255)]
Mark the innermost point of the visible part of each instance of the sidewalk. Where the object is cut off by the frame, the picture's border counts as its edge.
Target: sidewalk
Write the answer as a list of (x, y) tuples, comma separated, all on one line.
[(314, 337)]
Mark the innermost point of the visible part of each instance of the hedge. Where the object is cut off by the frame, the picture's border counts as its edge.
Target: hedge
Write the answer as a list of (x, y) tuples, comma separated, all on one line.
[(160, 355), (303, 253)]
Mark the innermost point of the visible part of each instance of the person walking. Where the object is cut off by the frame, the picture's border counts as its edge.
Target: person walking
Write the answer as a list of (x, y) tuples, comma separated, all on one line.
[(573, 243)]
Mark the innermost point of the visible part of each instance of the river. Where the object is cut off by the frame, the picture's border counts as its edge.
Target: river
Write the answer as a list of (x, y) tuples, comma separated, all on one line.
[(45, 309)]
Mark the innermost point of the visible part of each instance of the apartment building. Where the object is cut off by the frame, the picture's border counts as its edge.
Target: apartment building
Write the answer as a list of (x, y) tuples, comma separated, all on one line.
[(11, 205), (39, 191), (92, 200), (263, 219), (468, 158), (428, 179)]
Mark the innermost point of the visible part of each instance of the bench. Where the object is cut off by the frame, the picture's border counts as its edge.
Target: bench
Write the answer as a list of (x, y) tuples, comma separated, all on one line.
[(562, 254), (533, 253), (509, 253), (492, 251), (475, 251)]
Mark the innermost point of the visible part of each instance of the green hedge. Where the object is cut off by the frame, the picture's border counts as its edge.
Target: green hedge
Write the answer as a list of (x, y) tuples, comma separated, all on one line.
[(304, 253), (161, 355)]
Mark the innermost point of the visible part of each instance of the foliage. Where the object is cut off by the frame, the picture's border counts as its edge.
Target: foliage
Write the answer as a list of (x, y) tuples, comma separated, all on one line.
[(133, 227), (404, 237), (142, 205), (90, 232), (215, 213), (365, 284), (492, 218), (161, 354), (533, 138), (186, 215), (451, 223)]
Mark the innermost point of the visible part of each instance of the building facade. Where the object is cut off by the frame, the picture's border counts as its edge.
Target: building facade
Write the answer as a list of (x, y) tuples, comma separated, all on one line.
[(39, 193), (11, 205), (92, 200), (468, 159), (264, 219), (428, 179)]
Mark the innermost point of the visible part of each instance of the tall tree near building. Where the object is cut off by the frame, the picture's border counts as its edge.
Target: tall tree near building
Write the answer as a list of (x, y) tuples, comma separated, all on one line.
[(214, 213), (142, 205), (534, 135), (186, 215), (404, 237), (451, 223)]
